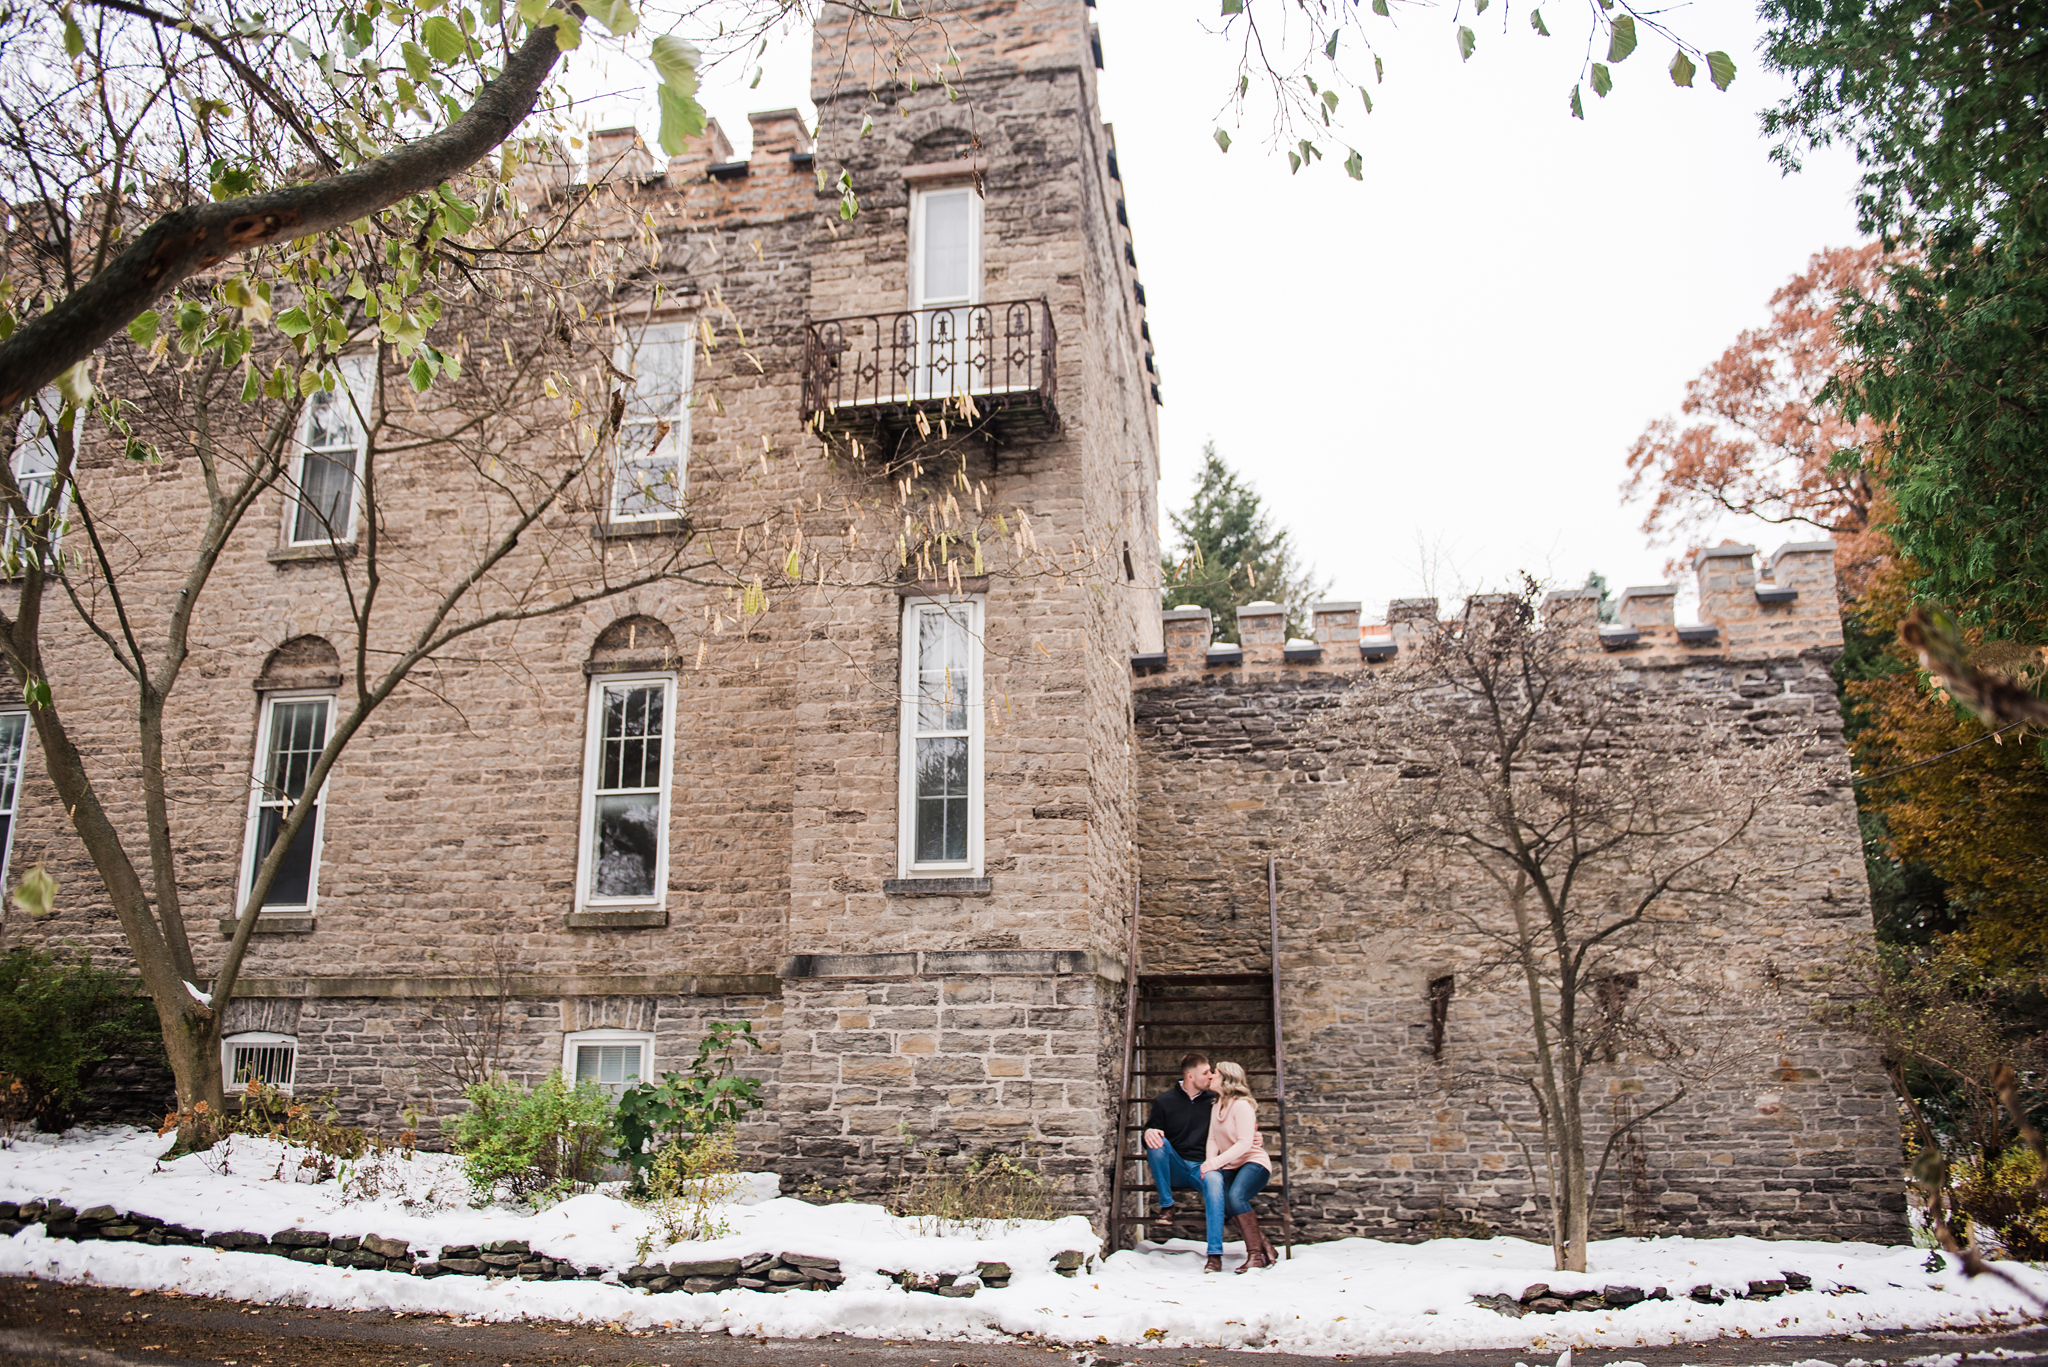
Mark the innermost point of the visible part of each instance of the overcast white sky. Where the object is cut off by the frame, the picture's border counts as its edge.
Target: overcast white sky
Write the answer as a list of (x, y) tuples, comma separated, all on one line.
[(1433, 377)]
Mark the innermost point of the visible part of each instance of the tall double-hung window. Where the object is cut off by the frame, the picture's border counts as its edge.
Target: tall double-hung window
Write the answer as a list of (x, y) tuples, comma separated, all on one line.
[(945, 281), (654, 432), (13, 741), (939, 804), (327, 468), (290, 738), (626, 764), (35, 472)]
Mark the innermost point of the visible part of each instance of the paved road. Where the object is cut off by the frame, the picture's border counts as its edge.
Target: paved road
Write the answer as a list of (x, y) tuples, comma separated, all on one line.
[(46, 1324)]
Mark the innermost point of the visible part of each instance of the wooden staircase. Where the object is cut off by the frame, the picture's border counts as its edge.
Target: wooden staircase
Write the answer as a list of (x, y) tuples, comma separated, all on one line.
[(1233, 1016)]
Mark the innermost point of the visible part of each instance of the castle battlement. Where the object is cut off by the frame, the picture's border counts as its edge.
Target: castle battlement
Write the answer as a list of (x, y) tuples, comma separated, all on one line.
[(1787, 606)]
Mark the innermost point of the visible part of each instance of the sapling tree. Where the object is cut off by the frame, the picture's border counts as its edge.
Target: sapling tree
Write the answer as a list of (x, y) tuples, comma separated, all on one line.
[(1583, 835)]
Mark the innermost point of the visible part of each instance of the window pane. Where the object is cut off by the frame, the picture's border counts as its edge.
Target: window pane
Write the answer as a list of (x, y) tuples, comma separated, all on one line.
[(331, 421), (649, 481), (270, 1064), (13, 729), (945, 246), (942, 800), (294, 882), (942, 647), (326, 486), (630, 756), (612, 1066), (628, 845), (298, 732), (648, 470), (656, 366)]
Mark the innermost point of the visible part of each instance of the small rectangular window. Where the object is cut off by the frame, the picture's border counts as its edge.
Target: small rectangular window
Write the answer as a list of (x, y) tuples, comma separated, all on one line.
[(613, 1059), (654, 432), (626, 769), (259, 1057), (13, 739), (294, 732), (35, 474), (332, 441), (940, 806), (945, 247)]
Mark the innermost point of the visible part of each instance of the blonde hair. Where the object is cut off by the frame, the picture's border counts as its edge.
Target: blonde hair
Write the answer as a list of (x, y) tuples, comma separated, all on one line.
[(1233, 1085)]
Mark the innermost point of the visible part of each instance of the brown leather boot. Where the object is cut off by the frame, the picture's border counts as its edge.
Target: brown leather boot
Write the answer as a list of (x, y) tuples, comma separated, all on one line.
[(1255, 1245), (1213, 1263)]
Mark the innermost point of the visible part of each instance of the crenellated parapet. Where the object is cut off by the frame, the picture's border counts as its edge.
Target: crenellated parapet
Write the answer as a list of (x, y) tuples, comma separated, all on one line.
[(1785, 607), (705, 182)]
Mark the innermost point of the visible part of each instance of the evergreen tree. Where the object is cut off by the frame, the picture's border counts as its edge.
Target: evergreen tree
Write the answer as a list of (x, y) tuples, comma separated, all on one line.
[(1228, 553)]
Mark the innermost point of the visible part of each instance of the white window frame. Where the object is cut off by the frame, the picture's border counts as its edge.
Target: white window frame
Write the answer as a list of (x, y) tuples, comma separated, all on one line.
[(681, 330), (907, 863), (251, 855), (576, 1039), (593, 742), (355, 376), (28, 436), (256, 1039), (11, 771), (918, 197)]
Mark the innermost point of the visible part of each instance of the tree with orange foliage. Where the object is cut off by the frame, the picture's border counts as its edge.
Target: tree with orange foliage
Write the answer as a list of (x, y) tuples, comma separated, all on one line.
[(1758, 438)]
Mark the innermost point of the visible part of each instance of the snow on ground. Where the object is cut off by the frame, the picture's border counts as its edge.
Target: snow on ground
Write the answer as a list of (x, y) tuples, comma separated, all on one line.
[(1347, 1296)]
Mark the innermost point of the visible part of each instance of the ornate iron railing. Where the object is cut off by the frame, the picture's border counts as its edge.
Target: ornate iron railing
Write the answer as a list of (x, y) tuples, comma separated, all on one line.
[(982, 358)]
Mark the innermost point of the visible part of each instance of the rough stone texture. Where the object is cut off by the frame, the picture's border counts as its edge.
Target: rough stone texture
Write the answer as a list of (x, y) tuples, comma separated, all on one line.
[(1389, 1140)]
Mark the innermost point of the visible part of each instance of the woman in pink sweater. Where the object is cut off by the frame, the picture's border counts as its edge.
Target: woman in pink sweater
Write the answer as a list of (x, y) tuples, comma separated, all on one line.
[(1237, 1152)]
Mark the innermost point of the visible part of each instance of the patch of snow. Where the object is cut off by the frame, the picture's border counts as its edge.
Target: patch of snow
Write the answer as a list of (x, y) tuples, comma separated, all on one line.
[(205, 999), (1353, 1296)]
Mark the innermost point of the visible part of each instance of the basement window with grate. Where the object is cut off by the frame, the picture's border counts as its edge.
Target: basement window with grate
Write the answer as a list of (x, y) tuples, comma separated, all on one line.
[(259, 1056)]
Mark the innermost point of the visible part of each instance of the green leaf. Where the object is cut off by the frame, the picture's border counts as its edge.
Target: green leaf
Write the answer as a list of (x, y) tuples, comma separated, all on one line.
[(676, 62), (1354, 165), (1623, 40), (75, 386), (36, 693), (293, 322), (1222, 139), (1379, 7), (1367, 97), (1330, 48), (1467, 40), (74, 38), (1293, 162), (417, 65), (1603, 81), (142, 331), (616, 15), (1578, 108), (1536, 22), (1233, 7), (1330, 102), (252, 385), (1479, 6), (1682, 68), (1721, 69), (682, 118), (444, 40), (1379, 69), (421, 375)]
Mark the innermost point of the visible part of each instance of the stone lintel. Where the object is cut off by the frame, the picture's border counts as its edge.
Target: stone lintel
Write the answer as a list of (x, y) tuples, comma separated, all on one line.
[(942, 589), (519, 985), (946, 170)]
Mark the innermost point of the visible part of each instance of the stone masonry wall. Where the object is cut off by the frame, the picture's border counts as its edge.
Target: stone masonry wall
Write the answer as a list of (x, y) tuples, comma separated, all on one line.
[(1389, 1139)]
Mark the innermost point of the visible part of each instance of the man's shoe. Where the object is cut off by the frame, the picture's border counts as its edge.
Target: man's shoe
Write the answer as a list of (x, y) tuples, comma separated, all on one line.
[(1214, 1263), (1165, 1218)]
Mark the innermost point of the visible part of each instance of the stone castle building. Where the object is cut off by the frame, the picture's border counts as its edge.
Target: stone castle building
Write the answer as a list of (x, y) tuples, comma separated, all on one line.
[(903, 824)]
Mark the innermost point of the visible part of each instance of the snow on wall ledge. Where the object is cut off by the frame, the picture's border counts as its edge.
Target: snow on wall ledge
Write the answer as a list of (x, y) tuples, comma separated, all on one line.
[(1789, 606)]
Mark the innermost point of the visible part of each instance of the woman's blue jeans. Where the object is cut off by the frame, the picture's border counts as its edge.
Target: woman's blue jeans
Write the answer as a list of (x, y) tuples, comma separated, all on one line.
[(1243, 1184), (1171, 1173)]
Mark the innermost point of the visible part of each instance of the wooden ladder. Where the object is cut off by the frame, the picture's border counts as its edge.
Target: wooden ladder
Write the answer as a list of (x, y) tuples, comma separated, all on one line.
[(1234, 1016)]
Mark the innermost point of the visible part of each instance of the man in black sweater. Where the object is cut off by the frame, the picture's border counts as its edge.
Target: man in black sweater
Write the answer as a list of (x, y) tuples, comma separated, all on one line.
[(1177, 1143)]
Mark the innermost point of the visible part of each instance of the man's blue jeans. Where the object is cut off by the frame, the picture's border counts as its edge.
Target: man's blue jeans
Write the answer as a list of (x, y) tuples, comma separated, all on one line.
[(1171, 1173)]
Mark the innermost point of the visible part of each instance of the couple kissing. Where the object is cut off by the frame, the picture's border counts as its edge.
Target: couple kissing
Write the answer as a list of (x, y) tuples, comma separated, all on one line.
[(1202, 1134)]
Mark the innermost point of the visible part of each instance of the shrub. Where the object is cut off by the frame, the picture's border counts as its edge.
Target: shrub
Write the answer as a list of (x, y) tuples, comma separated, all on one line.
[(686, 1181), (708, 1099), (992, 1189), (61, 1020), (2000, 1197), (542, 1143)]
